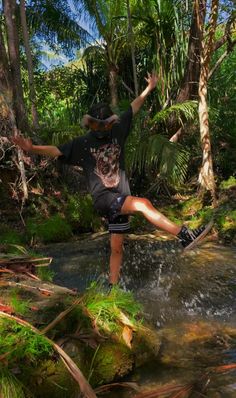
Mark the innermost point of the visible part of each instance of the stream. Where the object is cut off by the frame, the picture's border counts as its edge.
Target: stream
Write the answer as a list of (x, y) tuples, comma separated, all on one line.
[(190, 297)]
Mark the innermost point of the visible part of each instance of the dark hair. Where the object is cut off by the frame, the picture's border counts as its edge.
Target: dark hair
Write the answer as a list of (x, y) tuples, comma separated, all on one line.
[(100, 111)]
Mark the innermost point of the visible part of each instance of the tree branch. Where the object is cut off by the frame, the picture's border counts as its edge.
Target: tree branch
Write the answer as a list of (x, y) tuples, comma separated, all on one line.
[(219, 43), (222, 58)]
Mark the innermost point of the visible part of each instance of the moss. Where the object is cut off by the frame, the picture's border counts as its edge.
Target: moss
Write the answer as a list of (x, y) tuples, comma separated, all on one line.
[(226, 184), (191, 206), (146, 345), (10, 386), (20, 306), (113, 360), (54, 229), (45, 274), (21, 344)]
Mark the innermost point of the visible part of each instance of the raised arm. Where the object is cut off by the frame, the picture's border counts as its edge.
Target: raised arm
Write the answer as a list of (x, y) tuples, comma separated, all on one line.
[(26, 145), (138, 102)]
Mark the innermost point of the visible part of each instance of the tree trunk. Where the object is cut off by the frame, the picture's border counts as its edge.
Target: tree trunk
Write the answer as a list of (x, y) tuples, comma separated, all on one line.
[(14, 57), (132, 46), (206, 175), (32, 93), (113, 75), (8, 118), (189, 85), (5, 76)]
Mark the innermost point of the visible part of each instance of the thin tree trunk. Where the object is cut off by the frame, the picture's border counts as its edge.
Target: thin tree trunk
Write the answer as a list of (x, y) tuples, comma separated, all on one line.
[(113, 75), (132, 46), (7, 114), (32, 93), (5, 76), (14, 58), (206, 175), (189, 85)]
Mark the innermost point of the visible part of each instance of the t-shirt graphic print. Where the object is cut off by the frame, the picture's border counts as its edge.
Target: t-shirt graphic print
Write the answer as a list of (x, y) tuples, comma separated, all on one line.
[(107, 164)]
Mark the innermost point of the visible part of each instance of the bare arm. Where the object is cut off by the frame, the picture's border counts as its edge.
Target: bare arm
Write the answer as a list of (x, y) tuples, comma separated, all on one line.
[(26, 145), (138, 102)]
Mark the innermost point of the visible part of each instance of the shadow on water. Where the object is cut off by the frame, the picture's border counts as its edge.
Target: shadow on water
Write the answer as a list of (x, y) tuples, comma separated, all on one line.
[(190, 297)]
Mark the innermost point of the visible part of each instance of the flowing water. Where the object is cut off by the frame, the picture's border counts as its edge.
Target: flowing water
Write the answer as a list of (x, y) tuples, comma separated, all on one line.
[(190, 297)]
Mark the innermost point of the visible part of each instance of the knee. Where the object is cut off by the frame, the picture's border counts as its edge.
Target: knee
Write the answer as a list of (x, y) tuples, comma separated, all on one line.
[(143, 204)]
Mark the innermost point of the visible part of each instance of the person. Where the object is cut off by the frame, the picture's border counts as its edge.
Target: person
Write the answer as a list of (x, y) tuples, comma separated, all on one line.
[(101, 154)]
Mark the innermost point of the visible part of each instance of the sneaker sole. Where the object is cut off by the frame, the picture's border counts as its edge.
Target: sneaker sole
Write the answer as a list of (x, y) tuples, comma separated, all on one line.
[(200, 237)]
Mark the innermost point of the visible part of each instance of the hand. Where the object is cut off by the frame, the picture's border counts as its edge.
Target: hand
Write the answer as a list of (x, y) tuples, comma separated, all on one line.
[(151, 79), (23, 143), (112, 119), (85, 121), (98, 124)]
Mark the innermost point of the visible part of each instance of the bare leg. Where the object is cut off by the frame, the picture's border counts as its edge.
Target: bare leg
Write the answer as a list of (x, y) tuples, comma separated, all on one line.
[(116, 241), (143, 205)]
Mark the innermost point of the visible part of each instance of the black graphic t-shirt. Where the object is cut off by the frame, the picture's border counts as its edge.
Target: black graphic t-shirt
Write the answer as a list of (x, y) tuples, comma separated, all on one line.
[(103, 161)]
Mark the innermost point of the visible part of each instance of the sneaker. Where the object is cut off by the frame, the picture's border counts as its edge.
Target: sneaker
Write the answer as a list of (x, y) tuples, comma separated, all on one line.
[(190, 237)]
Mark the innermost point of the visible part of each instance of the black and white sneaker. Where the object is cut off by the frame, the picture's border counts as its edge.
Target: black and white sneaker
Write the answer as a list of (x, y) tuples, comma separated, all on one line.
[(190, 237)]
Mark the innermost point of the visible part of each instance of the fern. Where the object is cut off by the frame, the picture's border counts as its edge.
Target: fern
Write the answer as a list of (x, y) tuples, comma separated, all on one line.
[(169, 159), (185, 111)]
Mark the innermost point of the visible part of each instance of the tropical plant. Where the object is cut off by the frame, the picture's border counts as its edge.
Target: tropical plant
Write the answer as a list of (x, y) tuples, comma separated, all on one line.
[(110, 20), (155, 154)]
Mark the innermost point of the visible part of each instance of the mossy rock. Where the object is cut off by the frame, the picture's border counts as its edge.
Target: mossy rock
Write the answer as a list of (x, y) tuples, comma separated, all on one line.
[(226, 184), (191, 206), (112, 361), (146, 345), (51, 379)]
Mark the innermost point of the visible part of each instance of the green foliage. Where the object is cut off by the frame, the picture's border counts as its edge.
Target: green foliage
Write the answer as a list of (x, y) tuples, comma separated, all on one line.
[(156, 152), (20, 343), (195, 214), (60, 134), (222, 96), (191, 206), (20, 307), (137, 221), (229, 183), (185, 111), (10, 236), (54, 229), (10, 386), (45, 274), (106, 309), (80, 212)]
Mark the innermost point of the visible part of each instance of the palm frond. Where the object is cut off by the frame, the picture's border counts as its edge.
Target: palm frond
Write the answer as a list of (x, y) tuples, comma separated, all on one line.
[(170, 160), (54, 21), (185, 111)]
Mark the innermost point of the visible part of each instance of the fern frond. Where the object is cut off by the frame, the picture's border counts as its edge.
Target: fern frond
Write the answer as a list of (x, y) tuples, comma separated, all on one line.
[(169, 159), (185, 111)]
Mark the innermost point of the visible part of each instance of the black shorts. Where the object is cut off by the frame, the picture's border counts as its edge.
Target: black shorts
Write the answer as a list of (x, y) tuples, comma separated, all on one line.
[(118, 223)]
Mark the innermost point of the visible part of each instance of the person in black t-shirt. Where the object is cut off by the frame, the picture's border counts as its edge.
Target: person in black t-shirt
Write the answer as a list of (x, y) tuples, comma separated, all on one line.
[(100, 153)]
